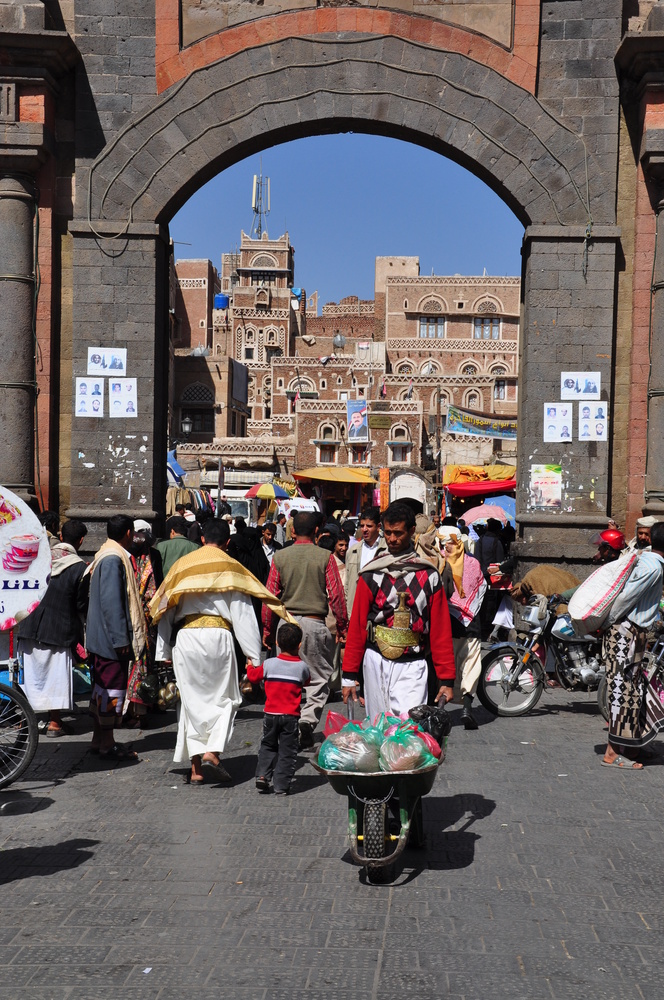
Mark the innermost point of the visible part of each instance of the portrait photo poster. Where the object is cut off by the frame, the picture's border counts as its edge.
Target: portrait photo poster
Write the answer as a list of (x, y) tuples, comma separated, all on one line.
[(580, 385), (89, 399), (593, 423), (122, 398), (107, 361), (558, 422)]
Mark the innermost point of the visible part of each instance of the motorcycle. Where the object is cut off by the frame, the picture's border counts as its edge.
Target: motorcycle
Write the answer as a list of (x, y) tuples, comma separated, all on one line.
[(513, 673)]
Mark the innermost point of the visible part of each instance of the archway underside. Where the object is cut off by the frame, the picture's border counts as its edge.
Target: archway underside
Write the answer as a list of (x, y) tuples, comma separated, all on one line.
[(301, 87)]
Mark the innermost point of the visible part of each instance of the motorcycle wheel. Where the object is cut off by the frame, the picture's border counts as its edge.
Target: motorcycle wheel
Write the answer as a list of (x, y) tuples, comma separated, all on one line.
[(496, 667), (603, 698)]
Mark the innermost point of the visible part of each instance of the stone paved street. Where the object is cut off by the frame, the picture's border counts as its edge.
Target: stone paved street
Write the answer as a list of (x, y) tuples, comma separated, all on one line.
[(542, 877)]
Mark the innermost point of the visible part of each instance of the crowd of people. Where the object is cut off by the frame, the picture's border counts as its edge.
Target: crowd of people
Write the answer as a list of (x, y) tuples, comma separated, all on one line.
[(389, 610)]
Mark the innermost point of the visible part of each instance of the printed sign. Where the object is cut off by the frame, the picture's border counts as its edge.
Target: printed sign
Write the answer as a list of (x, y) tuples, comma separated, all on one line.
[(580, 385), (356, 419), (465, 422), (122, 400), (89, 401), (25, 559), (107, 360), (545, 487), (593, 423)]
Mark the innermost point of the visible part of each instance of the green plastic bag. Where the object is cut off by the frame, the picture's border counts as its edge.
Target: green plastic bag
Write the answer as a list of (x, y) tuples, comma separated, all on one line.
[(404, 751)]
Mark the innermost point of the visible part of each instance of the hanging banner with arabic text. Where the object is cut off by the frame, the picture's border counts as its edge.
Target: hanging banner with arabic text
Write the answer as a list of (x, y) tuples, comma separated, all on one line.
[(465, 422)]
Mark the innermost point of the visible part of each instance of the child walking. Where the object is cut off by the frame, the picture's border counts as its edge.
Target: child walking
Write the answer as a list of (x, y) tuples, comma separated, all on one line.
[(285, 675)]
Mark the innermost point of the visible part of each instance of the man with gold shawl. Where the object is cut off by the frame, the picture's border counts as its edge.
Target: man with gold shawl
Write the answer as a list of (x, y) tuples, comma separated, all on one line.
[(204, 601)]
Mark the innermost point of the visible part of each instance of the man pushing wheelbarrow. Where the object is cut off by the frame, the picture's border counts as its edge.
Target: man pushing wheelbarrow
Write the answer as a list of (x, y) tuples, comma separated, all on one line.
[(400, 611), (393, 657)]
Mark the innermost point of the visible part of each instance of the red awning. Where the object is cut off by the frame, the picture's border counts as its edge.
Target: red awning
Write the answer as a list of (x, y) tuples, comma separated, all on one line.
[(481, 488)]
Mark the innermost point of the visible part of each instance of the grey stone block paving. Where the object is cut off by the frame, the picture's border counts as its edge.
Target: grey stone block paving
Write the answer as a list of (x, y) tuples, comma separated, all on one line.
[(542, 876)]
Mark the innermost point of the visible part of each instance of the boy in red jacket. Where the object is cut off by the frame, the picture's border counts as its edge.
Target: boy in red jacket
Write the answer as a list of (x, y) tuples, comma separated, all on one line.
[(285, 675)]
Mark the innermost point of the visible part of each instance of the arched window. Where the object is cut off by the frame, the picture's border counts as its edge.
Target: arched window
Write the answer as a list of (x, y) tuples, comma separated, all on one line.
[(469, 370), (400, 445), (198, 394), (473, 400), (430, 367), (405, 368)]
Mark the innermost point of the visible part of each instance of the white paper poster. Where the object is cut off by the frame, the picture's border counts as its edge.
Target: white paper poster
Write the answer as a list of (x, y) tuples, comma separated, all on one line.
[(545, 487), (122, 401), (558, 421), (107, 360), (593, 423), (89, 401), (580, 385)]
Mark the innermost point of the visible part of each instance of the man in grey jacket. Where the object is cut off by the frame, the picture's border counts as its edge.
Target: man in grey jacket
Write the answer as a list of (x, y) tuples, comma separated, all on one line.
[(115, 635)]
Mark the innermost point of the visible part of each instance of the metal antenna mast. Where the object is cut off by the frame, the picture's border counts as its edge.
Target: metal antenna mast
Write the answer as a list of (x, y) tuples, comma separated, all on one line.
[(260, 203)]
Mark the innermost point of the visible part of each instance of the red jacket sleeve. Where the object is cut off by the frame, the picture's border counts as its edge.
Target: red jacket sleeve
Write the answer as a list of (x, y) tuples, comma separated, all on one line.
[(255, 673), (440, 638), (356, 640)]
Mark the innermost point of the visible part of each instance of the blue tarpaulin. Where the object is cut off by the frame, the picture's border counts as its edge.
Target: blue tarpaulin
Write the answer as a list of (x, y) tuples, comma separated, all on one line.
[(175, 470)]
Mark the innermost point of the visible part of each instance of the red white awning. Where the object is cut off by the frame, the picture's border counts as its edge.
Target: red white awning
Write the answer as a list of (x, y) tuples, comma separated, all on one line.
[(481, 488)]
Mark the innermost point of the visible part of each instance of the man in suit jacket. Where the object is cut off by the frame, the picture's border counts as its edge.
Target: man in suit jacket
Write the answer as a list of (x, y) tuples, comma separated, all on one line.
[(372, 545)]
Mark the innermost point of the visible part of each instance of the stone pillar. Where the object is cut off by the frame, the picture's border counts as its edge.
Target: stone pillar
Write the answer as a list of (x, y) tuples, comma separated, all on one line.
[(567, 325), (17, 336), (121, 300), (654, 493)]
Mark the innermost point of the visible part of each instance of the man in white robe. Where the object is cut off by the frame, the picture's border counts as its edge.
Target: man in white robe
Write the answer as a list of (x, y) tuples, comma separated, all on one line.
[(204, 601)]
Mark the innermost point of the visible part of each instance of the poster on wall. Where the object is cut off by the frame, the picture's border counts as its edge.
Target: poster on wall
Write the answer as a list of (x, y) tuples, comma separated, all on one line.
[(558, 422), (545, 487), (122, 401), (356, 420), (580, 385), (103, 360), (89, 399), (593, 424)]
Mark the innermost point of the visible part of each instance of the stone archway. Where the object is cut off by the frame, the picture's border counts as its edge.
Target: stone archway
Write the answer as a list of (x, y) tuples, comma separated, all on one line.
[(296, 87)]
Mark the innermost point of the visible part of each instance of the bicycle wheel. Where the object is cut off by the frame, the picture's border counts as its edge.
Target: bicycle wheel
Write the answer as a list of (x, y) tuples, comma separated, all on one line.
[(502, 696), (375, 839), (603, 698), (18, 734)]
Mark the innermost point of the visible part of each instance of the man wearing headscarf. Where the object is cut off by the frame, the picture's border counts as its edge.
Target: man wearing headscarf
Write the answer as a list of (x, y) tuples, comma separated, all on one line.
[(641, 539), (464, 605)]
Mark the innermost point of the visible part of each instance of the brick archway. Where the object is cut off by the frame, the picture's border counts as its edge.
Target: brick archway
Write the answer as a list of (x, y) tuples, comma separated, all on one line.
[(293, 88)]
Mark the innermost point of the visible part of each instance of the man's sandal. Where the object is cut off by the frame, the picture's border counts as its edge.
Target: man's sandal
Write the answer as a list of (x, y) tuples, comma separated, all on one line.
[(120, 754)]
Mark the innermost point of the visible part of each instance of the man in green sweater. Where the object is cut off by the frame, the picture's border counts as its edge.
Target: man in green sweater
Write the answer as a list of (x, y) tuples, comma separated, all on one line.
[(176, 544), (307, 581)]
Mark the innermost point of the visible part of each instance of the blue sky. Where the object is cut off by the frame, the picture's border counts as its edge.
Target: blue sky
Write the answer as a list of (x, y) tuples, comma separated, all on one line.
[(346, 199)]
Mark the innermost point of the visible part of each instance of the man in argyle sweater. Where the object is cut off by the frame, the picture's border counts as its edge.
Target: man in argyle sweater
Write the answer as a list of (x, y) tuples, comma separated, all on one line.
[(397, 682)]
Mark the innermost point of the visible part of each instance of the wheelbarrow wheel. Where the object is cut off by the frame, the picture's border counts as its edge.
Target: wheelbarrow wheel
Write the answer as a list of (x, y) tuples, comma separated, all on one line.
[(375, 839)]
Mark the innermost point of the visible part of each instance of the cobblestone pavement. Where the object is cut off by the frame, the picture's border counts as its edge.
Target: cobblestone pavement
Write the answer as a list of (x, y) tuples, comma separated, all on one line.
[(542, 876)]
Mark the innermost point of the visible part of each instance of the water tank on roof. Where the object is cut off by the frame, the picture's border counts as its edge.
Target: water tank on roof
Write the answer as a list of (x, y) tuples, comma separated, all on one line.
[(221, 302)]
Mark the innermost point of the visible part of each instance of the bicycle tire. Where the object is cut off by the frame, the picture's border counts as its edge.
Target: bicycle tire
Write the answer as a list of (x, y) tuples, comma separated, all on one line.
[(495, 666), (375, 840), (19, 734)]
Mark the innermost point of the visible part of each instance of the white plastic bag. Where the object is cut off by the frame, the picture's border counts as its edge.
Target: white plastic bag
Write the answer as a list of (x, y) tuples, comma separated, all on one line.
[(592, 601)]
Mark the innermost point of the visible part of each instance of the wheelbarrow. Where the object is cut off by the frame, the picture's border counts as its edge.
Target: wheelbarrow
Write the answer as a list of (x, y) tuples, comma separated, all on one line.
[(369, 796)]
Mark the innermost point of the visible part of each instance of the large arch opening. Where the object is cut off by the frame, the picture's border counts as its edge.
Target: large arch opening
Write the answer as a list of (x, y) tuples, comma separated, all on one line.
[(397, 88)]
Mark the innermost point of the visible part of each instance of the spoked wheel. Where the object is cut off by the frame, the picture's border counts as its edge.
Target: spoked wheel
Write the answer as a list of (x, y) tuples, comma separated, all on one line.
[(18, 734), (504, 692), (376, 839), (603, 698)]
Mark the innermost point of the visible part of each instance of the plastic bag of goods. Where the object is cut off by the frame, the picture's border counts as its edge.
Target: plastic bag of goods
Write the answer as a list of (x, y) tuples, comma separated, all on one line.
[(404, 752), (334, 723), (431, 744), (349, 750), (434, 720)]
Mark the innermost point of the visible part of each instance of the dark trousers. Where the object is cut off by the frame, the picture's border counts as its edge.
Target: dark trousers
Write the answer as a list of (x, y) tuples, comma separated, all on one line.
[(277, 754)]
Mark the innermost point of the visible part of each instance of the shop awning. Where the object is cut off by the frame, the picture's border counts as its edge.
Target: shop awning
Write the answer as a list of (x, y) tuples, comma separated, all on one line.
[(482, 487), (342, 474)]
